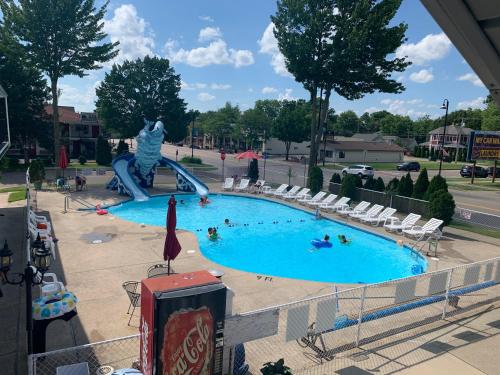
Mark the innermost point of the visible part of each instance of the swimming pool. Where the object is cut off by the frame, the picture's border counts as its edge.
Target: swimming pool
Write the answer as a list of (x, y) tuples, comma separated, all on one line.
[(273, 239)]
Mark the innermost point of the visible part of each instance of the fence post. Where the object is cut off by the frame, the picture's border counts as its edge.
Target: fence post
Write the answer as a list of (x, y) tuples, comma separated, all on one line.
[(31, 365), (360, 317), (448, 285)]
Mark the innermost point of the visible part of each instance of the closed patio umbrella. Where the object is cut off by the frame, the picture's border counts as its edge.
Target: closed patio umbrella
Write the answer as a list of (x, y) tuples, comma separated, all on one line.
[(63, 159), (172, 246), (247, 155)]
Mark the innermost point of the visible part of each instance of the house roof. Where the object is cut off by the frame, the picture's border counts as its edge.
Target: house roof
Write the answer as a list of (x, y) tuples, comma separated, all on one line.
[(364, 146), (68, 115), (452, 130), (367, 137)]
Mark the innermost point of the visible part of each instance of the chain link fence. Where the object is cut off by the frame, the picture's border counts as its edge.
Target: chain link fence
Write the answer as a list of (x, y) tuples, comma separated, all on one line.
[(118, 353)]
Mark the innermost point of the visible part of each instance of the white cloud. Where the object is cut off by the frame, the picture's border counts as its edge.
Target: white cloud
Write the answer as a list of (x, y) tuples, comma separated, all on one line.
[(206, 18), (269, 90), (269, 45), (422, 76), (209, 33), (250, 89), (192, 86), (286, 95), (403, 107), (472, 78), (432, 47), (133, 33), (220, 86), (216, 53), (371, 109), (474, 103), (205, 97), (83, 99)]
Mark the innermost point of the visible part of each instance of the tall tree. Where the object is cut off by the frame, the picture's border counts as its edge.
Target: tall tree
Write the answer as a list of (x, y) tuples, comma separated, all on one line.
[(138, 90), (347, 123), (27, 91), (291, 125), (341, 46), (491, 116), (61, 37), (255, 125)]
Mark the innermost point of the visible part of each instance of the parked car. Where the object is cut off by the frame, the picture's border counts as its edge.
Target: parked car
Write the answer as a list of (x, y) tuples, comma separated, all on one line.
[(409, 166), (466, 171), (363, 171), (497, 172)]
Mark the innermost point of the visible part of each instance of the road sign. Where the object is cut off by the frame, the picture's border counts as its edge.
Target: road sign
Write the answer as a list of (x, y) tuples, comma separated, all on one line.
[(222, 155)]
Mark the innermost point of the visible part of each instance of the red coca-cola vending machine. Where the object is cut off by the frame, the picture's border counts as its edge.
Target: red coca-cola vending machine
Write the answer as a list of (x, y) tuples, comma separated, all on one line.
[(182, 324)]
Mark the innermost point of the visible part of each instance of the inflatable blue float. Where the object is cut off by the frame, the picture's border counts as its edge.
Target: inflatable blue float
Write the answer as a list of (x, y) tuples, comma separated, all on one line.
[(317, 243)]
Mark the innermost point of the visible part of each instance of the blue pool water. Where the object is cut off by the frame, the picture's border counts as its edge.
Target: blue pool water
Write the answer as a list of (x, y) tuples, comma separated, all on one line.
[(270, 238)]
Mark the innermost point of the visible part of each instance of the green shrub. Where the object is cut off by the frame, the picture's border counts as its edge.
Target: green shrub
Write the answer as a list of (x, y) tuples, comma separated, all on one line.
[(37, 171), (442, 206), (122, 147), (437, 183), (191, 160), (379, 184), (276, 368), (336, 179), (392, 186), (421, 185), (405, 187), (103, 152), (349, 185), (315, 180), (82, 159), (253, 170), (369, 183)]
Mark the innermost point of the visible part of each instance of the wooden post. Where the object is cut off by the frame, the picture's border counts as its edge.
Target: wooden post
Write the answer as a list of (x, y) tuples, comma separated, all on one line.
[(494, 171), (473, 172)]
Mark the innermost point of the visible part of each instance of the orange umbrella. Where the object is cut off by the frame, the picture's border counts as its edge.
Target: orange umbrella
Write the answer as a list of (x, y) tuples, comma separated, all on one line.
[(247, 155)]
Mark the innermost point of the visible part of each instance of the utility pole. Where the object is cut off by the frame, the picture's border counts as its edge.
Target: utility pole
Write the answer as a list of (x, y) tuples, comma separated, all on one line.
[(445, 106)]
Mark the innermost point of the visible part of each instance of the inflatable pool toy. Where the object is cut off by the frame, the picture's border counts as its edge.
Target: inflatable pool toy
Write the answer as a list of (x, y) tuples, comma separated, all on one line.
[(100, 211), (54, 305), (317, 243), (126, 371)]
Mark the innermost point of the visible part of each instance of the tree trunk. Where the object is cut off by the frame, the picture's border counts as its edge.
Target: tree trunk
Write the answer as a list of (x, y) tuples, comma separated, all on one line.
[(313, 151), (26, 150), (55, 120), (324, 112), (287, 149)]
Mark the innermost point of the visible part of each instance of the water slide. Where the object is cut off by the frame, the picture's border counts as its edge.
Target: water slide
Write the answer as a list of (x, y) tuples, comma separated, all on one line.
[(200, 187)]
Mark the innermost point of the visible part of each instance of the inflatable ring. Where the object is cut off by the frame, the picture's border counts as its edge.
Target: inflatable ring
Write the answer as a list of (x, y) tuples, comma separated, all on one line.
[(102, 212), (58, 304), (126, 371), (317, 243)]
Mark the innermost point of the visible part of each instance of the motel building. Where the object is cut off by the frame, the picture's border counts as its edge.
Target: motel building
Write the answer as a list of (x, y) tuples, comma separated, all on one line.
[(456, 137)]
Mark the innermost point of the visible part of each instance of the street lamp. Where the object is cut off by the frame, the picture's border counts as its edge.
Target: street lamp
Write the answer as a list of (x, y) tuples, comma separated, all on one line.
[(325, 132), (192, 132), (445, 106)]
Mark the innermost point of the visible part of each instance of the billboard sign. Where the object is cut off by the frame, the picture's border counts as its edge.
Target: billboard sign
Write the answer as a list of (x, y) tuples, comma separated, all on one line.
[(484, 145)]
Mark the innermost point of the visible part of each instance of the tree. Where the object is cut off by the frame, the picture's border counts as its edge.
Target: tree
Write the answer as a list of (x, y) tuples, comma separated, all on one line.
[(491, 116), (369, 183), (442, 206), (349, 185), (62, 37), (316, 180), (253, 170), (392, 186), (397, 125), (122, 147), (291, 123), (254, 125), (421, 185), (221, 123), (138, 90), (379, 185), (336, 179), (347, 124), (103, 152), (405, 186), (340, 46), (27, 91), (437, 183)]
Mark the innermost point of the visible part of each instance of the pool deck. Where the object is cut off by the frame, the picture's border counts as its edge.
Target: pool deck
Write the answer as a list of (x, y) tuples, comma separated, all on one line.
[(95, 272)]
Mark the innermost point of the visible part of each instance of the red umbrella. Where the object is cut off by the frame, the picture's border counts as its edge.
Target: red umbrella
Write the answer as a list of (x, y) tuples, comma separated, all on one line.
[(247, 155), (63, 159), (172, 246)]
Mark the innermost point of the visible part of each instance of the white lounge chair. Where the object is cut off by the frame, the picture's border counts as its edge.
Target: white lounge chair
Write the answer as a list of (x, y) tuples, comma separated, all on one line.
[(372, 212), (45, 236), (243, 185), (304, 193), (421, 231), (360, 207), (381, 218), (327, 200), (334, 206), (228, 183), (37, 219), (279, 190), (258, 186), (290, 194), (393, 224), (316, 198)]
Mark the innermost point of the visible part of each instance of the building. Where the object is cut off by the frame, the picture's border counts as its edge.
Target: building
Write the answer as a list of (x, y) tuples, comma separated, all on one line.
[(407, 143), (79, 131), (368, 137), (361, 152), (274, 146), (456, 137)]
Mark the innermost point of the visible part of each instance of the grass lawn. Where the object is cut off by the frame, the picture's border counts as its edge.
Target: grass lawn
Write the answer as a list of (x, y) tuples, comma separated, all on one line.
[(17, 196), (12, 189), (480, 184), (206, 167), (490, 232)]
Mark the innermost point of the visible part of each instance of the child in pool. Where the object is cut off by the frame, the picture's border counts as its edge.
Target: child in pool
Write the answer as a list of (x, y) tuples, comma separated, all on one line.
[(214, 235), (326, 239), (210, 231), (343, 240)]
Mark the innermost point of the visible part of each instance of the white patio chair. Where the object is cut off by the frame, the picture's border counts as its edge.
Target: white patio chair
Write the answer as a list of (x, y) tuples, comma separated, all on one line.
[(428, 228), (326, 201), (44, 236), (334, 206), (304, 193), (291, 193), (360, 207), (258, 186), (316, 198), (38, 219), (51, 285), (243, 185), (372, 212), (381, 218), (393, 224), (278, 191), (228, 183)]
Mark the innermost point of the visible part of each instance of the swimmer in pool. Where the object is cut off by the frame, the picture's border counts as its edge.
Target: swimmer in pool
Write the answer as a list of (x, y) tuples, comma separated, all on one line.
[(226, 221), (214, 235), (343, 240), (326, 239)]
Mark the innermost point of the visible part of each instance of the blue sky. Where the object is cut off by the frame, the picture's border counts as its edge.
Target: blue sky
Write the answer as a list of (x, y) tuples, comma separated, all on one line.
[(225, 51)]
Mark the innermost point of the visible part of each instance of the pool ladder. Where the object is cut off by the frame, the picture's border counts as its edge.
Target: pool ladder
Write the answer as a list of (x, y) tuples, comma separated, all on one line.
[(432, 241), (82, 202)]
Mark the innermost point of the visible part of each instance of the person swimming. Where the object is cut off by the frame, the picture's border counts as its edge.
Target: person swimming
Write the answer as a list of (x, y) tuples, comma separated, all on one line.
[(226, 221), (343, 240), (214, 235), (326, 239)]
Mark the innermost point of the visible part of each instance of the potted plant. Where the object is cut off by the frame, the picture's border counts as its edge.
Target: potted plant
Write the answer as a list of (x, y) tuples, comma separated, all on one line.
[(276, 368), (37, 173)]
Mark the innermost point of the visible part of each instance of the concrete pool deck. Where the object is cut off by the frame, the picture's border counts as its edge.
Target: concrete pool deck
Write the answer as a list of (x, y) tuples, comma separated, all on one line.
[(95, 273)]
